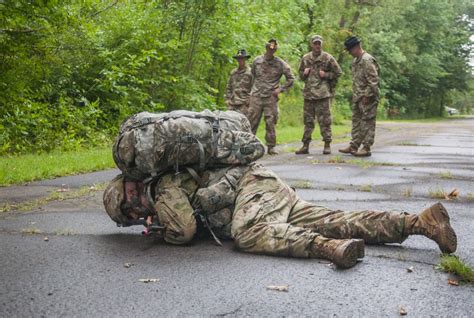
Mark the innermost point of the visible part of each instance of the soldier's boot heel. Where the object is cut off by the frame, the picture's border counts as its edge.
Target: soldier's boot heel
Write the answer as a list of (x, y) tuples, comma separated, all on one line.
[(364, 152), (434, 223), (343, 253), (304, 150), (349, 149), (271, 151), (327, 148)]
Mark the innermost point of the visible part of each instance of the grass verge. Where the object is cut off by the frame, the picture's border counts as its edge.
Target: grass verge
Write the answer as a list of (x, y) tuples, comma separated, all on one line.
[(453, 264), (31, 167)]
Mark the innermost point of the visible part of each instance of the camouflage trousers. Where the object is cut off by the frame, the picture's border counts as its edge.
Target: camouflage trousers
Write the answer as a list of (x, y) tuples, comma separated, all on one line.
[(363, 122), (270, 218), (241, 108), (175, 213), (268, 106), (320, 109)]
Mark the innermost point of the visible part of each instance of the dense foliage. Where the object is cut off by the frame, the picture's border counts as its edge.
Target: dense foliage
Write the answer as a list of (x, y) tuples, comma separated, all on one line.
[(70, 71)]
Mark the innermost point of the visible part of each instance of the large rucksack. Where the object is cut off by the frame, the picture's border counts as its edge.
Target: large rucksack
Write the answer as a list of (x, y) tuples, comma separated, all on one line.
[(149, 144)]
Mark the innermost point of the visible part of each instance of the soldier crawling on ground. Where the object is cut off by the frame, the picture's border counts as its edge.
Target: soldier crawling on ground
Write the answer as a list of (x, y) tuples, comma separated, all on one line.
[(263, 215)]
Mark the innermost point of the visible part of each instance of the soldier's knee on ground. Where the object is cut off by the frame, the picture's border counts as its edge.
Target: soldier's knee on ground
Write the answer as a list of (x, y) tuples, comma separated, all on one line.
[(183, 236)]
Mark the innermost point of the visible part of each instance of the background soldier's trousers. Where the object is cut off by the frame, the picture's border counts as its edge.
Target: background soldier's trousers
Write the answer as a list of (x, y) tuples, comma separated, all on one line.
[(242, 108), (268, 106), (320, 109), (270, 218), (363, 123)]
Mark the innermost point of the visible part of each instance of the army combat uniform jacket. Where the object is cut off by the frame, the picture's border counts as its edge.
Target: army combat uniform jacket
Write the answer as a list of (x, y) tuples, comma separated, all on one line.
[(365, 77), (238, 89), (267, 73), (251, 205), (315, 86)]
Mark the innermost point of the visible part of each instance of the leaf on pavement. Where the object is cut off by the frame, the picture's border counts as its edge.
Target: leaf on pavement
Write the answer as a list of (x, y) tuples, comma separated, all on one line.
[(454, 194), (402, 311), (282, 288), (46, 239), (453, 282), (128, 265), (148, 280), (410, 269)]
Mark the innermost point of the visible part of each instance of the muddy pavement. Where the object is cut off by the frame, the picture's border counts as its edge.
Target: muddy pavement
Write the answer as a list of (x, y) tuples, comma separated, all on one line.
[(66, 258)]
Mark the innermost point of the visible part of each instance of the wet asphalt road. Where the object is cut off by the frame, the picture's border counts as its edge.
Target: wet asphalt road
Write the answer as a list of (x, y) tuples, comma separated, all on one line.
[(79, 270)]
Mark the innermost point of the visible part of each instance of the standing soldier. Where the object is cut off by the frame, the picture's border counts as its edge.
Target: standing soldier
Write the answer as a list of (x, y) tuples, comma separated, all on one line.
[(267, 71), (237, 93), (365, 98), (320, 71)]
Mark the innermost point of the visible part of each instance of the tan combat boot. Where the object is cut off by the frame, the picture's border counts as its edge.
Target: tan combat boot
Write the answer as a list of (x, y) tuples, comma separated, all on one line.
[(304, 150), (271, 151), (349, 149), (434, 224), (327, 148), (343, 253), (364, 152)]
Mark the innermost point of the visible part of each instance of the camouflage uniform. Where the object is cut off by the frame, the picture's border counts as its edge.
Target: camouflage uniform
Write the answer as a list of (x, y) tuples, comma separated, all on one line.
[(268, 216), (318, 92), (365, 81), (266, 78), (237, 93)]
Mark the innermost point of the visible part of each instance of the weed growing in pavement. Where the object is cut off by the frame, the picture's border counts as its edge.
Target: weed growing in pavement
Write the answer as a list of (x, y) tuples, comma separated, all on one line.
[(453, 264), (366, 188), (407, 192), (470, 196), (437, 193), (301, 184), (446, 175), (32, 230), (337, 159)]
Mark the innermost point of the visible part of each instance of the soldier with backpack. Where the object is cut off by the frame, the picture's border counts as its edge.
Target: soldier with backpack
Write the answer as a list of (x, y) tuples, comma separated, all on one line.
[(263, 215)]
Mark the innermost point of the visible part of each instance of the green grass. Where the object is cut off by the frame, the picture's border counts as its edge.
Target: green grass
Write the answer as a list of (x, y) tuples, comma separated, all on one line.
[(31, 167), (437, 193), (290, 134), (453, 264), (445, 175), (301, 184)]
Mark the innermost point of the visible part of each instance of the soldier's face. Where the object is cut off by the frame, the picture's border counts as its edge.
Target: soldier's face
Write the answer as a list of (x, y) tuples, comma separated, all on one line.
[(272, 47), (241, 61), (316, 47), (354, 51)]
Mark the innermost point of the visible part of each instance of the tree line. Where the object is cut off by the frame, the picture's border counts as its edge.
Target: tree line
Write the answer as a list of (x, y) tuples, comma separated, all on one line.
[(71, 71)]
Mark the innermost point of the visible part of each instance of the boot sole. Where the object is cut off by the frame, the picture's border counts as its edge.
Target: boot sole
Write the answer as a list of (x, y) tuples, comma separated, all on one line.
[(360, 155), (348, 152), (347, 254), (450, 242)]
